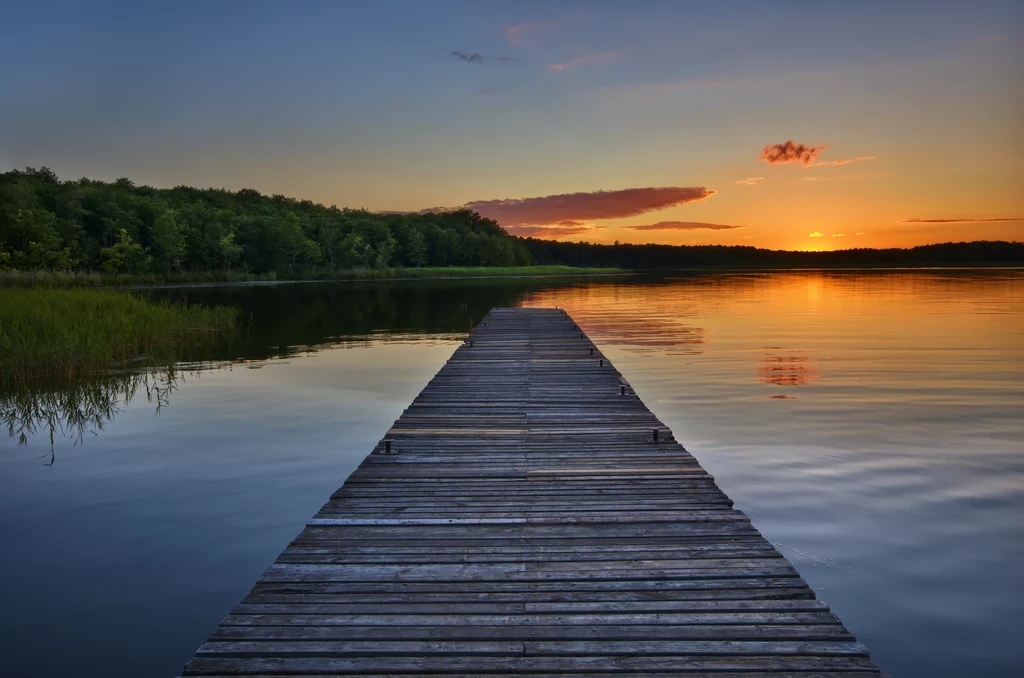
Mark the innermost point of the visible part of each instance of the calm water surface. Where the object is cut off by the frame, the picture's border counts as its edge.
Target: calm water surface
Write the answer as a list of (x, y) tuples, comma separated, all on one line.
[(871, 424)]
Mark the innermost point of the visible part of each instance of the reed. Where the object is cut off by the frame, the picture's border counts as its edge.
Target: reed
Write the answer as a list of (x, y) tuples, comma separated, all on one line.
[(54, 334)]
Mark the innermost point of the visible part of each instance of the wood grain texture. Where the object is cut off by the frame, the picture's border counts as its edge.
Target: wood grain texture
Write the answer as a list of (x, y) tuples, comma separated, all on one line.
[(522, 518)]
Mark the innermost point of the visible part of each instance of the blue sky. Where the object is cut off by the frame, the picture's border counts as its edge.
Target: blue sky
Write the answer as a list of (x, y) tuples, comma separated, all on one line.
[(365, 105)]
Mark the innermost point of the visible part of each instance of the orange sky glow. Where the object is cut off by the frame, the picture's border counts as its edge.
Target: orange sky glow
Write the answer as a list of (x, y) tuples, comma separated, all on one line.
[(740, 124)]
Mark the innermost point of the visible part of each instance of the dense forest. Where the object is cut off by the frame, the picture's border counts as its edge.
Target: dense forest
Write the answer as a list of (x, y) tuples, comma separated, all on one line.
[(977, 253), (122, 228)]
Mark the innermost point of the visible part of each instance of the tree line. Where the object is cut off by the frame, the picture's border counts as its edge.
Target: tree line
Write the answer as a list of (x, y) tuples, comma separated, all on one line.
[(121, 228), (667, 257)]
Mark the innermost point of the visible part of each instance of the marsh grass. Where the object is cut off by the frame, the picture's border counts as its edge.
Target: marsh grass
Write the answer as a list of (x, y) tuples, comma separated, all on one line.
[(53, 335)]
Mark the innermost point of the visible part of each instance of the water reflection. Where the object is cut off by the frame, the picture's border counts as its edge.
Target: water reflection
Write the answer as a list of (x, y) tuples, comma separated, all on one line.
[(279, 322), (71, 410), (644, 319), (287, 320), (894, 482), (786, 370)]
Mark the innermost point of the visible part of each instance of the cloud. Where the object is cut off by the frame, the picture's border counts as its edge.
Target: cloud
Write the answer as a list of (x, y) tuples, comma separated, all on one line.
[(553, 209), (477, 58), (779, 154), (682, 226), (816, 234), (547, 232), (838, 235), (468, 57), (959, 221), (846, 161), (859, 233), (585, 60), (752, 181), (517, 34)]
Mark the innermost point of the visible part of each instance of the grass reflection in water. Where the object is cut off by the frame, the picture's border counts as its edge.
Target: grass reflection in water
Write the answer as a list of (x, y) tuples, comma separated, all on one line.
[(71, 410)]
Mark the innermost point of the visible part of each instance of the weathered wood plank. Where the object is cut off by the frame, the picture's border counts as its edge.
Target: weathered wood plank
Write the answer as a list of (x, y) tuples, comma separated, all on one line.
[(521, 517)]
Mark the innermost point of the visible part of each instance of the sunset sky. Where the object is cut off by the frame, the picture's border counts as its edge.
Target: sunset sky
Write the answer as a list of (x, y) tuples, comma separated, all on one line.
[(795, 125)]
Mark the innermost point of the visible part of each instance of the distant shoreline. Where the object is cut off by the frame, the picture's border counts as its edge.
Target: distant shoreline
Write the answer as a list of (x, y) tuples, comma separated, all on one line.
[(17, 279)]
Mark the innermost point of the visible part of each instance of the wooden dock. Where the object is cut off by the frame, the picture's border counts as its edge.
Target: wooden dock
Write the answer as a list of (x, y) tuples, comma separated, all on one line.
[(527, 515)]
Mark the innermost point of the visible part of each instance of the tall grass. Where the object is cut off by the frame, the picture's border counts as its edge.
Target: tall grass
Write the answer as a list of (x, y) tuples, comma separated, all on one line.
[(52, 334)]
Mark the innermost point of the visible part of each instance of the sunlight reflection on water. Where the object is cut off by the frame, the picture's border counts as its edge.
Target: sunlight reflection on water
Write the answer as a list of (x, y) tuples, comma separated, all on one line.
[(869, 423), (871, 426)]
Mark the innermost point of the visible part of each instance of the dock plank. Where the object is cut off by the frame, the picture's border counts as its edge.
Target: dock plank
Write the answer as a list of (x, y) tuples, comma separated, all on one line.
[(528, 515)]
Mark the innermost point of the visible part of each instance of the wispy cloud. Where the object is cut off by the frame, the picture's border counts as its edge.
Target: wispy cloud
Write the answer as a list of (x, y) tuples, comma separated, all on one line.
[(477, 58), (846, 161), (859, 233), (519, 33), (554, 209), (682, 226), (585, 60), (779, 154), (838, 235), (959, 221), (468, 57), (752, 181), (547, 232), (816, 234)]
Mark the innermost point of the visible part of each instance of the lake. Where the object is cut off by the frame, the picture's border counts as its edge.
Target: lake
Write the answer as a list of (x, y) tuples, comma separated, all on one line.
[(871, 424)]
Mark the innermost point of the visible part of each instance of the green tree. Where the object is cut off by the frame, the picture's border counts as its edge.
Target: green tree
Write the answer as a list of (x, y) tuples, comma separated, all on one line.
[(125, 256), (121, 227), (416, 248), (167, 236), (230, 251), (329, 236), (293, 244)]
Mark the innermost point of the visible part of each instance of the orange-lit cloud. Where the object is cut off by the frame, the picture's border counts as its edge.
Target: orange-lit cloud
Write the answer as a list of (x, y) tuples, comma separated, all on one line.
[(549, 232), (752, 181), (816, 234), (779, 154), (682, 226), (585, 60), (838, 235), (517, 34), (553, 209), (959, 221), (846, 161)]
